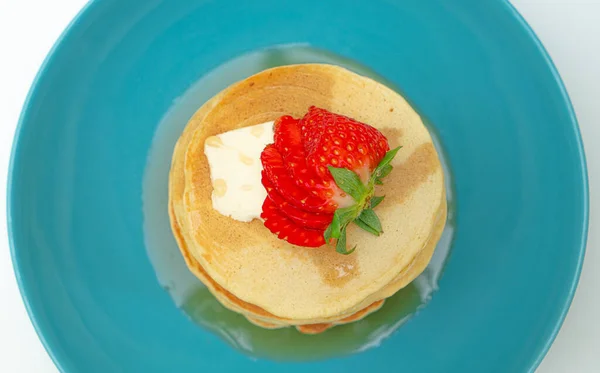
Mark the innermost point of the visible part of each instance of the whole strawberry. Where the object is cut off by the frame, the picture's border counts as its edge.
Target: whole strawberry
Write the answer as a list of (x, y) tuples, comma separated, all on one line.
[(320, 175)]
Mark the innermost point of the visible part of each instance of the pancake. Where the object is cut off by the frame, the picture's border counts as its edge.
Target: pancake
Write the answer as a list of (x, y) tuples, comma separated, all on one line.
[(270, 281), (254, 314)]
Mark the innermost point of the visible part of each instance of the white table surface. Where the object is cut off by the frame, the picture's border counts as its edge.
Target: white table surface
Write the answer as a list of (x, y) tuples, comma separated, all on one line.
[(569, 29)]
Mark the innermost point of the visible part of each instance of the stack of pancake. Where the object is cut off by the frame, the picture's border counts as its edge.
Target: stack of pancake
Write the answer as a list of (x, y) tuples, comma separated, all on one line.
[(275, 284)]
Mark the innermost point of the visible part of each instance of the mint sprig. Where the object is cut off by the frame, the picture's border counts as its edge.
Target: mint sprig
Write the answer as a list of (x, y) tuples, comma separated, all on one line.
[(348, 181), (361, 213)]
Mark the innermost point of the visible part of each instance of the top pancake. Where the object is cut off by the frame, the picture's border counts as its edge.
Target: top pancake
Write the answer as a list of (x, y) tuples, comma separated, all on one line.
[(293, 282)]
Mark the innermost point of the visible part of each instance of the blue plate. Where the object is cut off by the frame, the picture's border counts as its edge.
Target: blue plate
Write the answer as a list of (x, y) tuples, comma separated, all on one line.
[(472, 67)]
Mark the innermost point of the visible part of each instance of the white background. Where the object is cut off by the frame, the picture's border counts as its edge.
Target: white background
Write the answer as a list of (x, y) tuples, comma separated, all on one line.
[(569, 29)]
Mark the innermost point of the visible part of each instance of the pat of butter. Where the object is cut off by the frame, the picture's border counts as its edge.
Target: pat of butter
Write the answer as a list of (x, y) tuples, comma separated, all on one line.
[(235, 167)]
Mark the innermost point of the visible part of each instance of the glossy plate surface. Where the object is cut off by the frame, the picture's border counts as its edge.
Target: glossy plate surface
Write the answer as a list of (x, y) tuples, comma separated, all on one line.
[(472, 68)]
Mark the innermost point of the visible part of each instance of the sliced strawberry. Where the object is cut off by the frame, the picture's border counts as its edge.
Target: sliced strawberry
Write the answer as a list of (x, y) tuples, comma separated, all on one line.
[(288, 141), (318, 165), (287, 230), (336, 140), (301, 217), (288, 137), (276, 173)]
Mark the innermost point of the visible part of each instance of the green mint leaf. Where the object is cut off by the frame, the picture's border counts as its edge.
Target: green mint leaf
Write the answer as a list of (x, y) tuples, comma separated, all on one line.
[(335, 226), (384, 167), (384, 171), (376, 200), (381, 173), (340, 247), (341, 218), (327, 234), (369, 217), (387, 159), (364, 226), (346, 214), (349, 182)]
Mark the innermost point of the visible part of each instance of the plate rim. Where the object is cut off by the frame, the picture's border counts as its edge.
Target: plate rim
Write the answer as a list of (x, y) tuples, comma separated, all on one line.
[(60, 362), (585, 182)]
